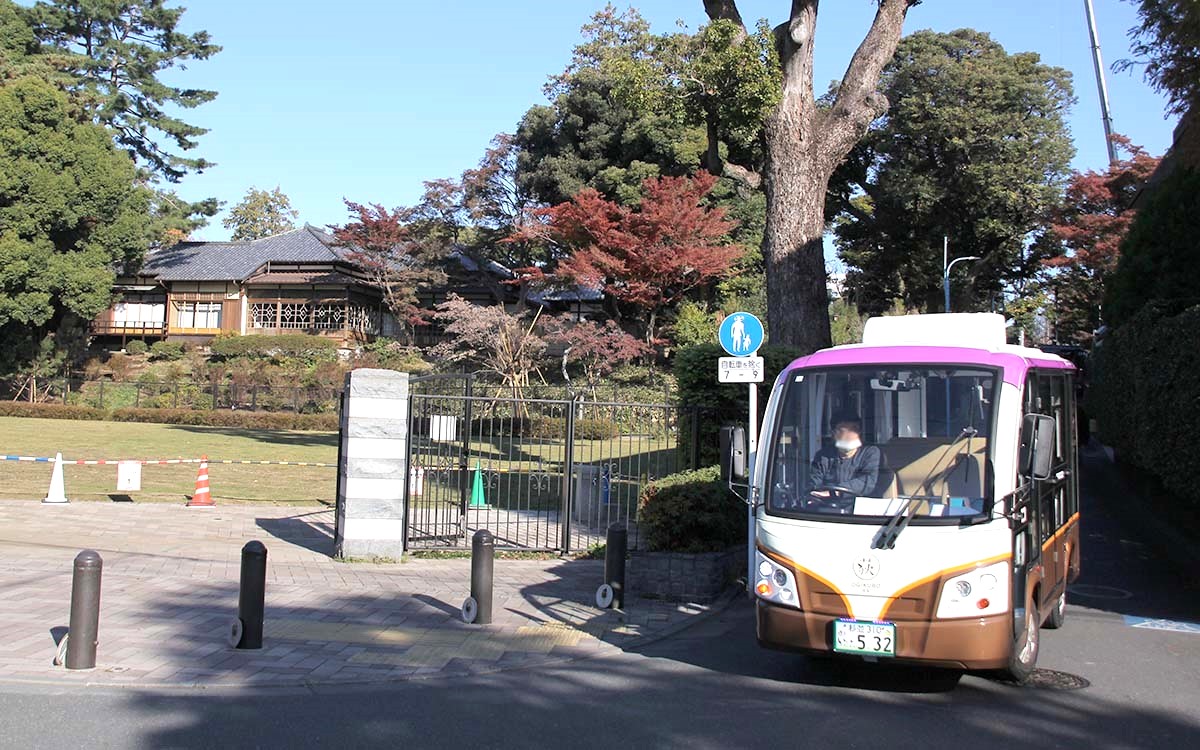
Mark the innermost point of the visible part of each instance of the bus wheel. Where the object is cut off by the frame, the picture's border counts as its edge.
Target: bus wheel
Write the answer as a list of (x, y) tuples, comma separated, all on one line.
[(1058, 615), (1025, 649)]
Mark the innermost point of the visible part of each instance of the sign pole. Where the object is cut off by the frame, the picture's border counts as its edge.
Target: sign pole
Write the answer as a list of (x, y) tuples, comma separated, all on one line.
[(741, 334), (750, 509)]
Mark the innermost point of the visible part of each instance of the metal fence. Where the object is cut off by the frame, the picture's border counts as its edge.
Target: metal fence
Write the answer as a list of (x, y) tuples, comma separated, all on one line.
[(155, 394), (540, 474)]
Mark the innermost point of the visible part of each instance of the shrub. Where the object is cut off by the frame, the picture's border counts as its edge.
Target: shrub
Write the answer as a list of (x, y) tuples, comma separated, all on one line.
[(389, 354), (119, 364), (136, 347), (1158, 255), (167, 351), (591, 428), (1146, 397), (51, 411), (692, 511), (291, 346), (215, 418), (712, 404)]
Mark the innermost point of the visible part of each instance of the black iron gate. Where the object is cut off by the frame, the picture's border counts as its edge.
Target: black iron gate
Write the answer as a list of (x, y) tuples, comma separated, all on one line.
[(540, 474)]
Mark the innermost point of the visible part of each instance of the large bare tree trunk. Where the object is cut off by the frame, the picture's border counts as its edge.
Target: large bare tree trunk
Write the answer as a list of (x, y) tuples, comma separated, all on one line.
[(804, 145)]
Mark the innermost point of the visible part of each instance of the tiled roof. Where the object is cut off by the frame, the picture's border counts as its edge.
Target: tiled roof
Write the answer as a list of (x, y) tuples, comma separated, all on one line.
[(574, 294), (304, 277), (234, 261)]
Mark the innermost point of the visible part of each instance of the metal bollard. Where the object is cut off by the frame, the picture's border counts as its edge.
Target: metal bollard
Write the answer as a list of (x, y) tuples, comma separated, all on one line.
[(478, 606), (84, 633), (251, 596), (612, 592)]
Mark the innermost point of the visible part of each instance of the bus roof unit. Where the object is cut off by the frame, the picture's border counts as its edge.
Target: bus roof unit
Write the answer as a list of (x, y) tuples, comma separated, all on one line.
[(971, 330)]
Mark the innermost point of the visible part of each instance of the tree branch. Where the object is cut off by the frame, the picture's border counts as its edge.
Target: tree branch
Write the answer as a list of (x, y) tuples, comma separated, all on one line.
[(724, 10), (858, 102), (747, 177)]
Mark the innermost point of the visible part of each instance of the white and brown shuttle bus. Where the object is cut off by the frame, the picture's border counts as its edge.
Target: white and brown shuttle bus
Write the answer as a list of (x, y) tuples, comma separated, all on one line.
[(951, 539)]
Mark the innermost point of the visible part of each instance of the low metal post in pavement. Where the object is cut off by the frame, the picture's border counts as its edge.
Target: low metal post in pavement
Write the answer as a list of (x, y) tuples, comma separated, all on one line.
[(84, 633), (478, 606), (247, 630), (612, 592)]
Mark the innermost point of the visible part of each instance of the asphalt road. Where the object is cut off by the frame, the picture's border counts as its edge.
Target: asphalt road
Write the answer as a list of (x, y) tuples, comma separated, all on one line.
[(1104, 684)]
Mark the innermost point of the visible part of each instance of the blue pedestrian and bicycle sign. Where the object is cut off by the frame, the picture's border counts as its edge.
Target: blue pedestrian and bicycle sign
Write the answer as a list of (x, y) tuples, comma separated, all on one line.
[(741, 334)]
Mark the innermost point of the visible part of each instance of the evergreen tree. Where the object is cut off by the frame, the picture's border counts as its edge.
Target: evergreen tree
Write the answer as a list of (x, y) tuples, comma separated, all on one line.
[(115, 51), (975, 148), (262, 213), (70, 215)]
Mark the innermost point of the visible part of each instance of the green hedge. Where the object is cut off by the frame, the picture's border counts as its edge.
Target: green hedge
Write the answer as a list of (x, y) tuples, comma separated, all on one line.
[(1145, 394), (692, 511), (137, 346), (297, 346), (214, 418), (166, 351), (695, 371), (1159, 263)]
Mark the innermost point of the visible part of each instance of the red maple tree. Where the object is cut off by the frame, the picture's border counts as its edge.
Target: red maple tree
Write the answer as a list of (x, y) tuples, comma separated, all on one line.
[(596, 348), (381, 243), (648, 257), (1089, 226)]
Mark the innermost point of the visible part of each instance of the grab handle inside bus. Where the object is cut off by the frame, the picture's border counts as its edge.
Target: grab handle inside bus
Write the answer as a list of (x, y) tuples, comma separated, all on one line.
[(733, 453), (1037, 446)]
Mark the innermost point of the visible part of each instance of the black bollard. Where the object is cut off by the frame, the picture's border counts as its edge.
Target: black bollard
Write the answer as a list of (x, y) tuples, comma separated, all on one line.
[(253, 594), (614, 563), (84, 633), (483, 563)]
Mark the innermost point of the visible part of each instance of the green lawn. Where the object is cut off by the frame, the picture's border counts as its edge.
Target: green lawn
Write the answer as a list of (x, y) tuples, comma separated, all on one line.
[(523, 473), (117, 440)]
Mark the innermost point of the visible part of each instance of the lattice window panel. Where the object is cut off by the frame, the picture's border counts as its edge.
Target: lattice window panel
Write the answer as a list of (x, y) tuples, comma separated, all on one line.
[(262, 314), (328, 317), (295, 315), (363, 319)]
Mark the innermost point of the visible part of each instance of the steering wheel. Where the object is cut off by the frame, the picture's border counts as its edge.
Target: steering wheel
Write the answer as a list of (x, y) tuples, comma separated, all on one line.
[(839, 499), (836, 492)]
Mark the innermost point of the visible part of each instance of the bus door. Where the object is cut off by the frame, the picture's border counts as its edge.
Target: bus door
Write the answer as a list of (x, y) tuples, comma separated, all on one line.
[(1048, 392)]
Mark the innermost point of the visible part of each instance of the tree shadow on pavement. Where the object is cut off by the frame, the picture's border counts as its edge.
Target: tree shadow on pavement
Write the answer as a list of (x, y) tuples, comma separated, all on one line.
[(631, 704), (302, 531), (1124, 567)]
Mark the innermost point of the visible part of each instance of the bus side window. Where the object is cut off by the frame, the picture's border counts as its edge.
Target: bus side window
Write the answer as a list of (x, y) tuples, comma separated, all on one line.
[(1064, 442)]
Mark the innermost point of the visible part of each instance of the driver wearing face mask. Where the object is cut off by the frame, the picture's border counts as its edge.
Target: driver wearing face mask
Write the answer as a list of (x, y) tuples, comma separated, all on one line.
[(847, 463)]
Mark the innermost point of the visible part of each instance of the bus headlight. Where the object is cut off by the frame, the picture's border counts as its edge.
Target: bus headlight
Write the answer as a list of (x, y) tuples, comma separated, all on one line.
[(976, 593), (775, 583)]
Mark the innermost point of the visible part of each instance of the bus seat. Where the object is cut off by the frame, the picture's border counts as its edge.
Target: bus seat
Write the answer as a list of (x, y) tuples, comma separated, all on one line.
[(885, 486), (919, 462)]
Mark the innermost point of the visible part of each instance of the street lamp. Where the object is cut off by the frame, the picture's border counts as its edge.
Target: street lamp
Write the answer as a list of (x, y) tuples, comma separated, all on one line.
[(946, 266)]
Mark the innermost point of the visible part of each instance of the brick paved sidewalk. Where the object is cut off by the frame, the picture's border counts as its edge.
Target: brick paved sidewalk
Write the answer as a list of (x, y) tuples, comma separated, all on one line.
[(169, 596)]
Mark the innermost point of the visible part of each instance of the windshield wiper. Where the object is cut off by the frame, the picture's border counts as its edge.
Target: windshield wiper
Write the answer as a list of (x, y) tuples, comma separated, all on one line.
[(886, 538)]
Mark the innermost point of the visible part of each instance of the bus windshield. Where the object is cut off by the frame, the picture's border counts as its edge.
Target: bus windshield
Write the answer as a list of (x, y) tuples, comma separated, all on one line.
[(868, 443)]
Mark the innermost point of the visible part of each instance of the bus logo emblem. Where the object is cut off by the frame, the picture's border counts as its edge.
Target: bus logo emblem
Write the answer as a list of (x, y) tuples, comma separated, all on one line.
[(866, 567)]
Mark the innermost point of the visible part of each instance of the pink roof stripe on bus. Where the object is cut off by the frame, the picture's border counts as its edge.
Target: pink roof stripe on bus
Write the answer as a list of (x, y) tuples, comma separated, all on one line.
[(1013, 364)]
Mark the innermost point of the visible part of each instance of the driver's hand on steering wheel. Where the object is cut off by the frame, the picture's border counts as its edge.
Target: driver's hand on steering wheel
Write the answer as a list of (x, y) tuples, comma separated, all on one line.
[(819, 493)]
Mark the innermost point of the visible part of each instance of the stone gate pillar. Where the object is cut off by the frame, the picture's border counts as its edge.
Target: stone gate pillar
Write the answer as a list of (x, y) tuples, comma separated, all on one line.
[(374, 434)]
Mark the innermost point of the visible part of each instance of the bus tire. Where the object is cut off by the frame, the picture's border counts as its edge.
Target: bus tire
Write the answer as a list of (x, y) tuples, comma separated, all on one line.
[(1058, 615), (1023, 660)]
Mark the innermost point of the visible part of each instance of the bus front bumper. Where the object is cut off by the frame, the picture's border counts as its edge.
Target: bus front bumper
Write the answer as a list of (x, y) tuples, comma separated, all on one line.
[(969, 643)]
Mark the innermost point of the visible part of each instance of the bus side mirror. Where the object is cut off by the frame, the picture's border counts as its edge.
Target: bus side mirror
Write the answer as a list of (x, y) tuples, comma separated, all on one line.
[(733, 454), (1037, 446)]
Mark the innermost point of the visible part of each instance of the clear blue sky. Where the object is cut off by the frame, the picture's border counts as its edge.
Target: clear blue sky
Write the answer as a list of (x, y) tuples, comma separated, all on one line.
[(365, 99)]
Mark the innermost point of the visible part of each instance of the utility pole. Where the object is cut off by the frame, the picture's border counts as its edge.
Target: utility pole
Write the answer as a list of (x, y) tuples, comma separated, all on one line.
[(1098, 62)]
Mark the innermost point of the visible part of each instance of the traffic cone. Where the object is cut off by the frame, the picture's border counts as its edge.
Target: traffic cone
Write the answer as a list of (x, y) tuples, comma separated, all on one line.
[(57, 493), (201, 497), (477, 498)]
